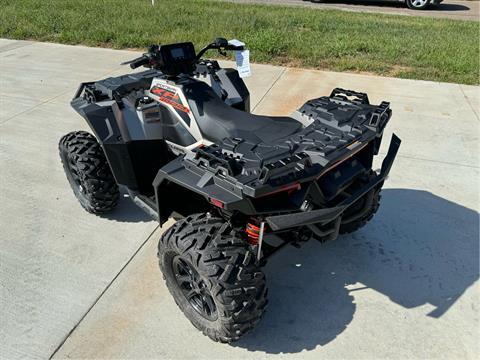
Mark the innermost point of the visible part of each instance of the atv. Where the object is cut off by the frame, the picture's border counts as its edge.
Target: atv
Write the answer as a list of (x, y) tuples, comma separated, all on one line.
[(179, 138)]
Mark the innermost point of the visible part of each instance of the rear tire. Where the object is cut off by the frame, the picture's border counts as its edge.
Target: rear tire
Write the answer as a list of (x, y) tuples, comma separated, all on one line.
[(217, 272), (88, 172), (351, 220)]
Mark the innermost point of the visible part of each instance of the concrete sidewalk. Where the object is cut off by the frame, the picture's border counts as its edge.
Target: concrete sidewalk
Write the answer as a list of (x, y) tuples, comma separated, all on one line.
[(404, 286)]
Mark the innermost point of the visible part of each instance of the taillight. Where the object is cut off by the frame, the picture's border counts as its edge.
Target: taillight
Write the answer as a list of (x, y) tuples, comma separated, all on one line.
[(217, 203), (286, 188)]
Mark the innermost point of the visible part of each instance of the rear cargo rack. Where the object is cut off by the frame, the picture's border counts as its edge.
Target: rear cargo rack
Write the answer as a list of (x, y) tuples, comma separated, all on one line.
[(358, 97), (378, 113), (283, 166), (213, 160)]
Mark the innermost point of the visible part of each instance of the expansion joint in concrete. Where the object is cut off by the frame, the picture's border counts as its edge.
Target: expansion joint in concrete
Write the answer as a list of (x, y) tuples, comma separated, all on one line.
[(102, 293)]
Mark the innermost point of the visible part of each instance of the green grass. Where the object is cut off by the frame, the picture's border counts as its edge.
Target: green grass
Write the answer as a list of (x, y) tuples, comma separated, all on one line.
[(401, 46)]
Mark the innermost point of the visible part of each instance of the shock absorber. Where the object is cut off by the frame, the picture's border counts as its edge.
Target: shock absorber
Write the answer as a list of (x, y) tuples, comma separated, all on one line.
[(255, 236), (253, 233)]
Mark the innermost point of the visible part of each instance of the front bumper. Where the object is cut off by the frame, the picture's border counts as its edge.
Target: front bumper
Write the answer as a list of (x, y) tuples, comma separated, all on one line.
[(325, 223)]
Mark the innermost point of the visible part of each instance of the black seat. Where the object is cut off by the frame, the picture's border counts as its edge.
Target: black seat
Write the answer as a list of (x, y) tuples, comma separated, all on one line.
[(218, 121)]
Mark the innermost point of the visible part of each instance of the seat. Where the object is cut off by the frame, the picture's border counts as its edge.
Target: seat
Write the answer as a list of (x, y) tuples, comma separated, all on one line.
[(218, 120)]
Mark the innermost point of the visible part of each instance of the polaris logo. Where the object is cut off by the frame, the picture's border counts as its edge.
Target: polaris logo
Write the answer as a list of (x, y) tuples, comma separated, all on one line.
[(163, 86)]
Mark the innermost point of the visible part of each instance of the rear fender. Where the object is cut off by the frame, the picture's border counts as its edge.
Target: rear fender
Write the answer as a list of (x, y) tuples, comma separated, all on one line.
[(184, 190)]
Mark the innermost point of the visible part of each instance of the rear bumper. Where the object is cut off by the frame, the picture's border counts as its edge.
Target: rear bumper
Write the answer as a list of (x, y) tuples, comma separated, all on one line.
[(326, 222)]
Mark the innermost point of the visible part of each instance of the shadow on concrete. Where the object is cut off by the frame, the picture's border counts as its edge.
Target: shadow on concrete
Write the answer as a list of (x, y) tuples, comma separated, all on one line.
[(399, 5), (127, 211), (448, 7), (420, 249)]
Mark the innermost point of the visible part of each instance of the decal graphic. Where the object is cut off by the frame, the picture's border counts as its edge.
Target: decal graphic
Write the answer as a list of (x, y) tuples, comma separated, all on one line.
[(168, 95)]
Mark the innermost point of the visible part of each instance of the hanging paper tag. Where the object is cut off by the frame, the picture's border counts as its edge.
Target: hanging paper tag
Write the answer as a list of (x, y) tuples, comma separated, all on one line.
[(242, 59), (236, 42)]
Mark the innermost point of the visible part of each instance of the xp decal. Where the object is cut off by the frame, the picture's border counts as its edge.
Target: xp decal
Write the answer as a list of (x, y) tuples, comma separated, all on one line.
[(173, 98), (169, 95)]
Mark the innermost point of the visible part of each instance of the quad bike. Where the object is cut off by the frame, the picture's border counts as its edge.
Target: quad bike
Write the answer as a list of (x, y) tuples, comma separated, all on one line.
[(179, 138)]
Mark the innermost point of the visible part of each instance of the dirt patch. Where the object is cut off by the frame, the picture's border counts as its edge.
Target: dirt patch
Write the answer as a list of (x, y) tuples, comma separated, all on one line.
[(397, 70)]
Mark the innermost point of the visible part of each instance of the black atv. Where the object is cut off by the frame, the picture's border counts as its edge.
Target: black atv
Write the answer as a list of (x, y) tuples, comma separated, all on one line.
[(180, 139)]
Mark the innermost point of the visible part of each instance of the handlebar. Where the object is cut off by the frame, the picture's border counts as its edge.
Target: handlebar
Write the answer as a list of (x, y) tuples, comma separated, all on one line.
[(142, 60), (151, 58), (219, 44)]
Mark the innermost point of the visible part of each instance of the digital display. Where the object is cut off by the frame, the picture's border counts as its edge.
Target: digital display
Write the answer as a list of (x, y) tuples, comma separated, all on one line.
[(177, 58), (177, 53)]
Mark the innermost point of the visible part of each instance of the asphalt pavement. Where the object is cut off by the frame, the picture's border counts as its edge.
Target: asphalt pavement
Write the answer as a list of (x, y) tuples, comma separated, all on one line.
[(74, 285)]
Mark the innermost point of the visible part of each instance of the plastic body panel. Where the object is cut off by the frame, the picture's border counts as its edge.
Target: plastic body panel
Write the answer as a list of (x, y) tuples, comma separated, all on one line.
[(111, 109), (335, 147), (142, 119), (226, 83), (133, 133)]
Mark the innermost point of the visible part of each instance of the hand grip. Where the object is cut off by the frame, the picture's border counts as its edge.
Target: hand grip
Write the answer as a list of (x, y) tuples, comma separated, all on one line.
[(142, 60)]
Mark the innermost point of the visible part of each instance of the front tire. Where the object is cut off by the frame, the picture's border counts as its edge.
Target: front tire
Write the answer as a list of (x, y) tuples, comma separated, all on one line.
[(417, 4), (213, 277), (88, 172)]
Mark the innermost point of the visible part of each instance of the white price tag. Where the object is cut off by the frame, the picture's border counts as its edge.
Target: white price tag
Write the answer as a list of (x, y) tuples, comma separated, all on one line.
[(242, 59)]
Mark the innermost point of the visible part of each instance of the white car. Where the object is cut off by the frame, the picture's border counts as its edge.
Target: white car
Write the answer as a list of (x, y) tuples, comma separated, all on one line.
[(412, 4), (420, 4)]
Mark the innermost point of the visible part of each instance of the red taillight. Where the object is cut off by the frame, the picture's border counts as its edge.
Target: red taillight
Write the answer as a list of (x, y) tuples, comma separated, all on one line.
[(217, 203), (289, 188)]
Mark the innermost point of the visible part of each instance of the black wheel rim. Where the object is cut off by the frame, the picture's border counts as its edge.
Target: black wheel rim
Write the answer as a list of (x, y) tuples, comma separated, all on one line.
[(194, 288)]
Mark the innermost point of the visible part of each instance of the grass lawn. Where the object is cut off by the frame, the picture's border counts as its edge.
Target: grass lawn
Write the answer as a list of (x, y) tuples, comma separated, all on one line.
[(401, 46)]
